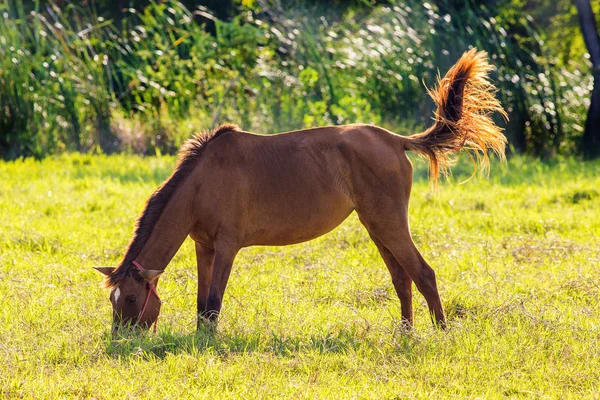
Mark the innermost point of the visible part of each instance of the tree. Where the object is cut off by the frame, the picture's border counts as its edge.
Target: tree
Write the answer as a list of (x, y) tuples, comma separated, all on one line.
[(587, 21)]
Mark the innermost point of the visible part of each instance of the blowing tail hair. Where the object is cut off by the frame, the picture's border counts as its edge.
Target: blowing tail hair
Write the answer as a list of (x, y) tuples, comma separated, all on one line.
[(465, 100)]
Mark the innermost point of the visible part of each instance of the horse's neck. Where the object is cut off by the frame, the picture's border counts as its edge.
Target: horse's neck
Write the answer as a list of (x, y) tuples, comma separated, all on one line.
[(169, 232)]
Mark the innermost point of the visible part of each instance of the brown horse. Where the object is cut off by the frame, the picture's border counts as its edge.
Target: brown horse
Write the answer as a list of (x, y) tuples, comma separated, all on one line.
[(233, 189)]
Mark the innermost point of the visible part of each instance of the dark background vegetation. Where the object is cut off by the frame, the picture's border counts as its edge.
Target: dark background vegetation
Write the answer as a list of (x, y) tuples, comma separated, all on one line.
[(140, 75)]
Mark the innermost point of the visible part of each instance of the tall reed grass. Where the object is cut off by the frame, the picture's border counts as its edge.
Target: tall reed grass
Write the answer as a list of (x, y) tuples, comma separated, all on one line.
[(55, 86), (71, 80)]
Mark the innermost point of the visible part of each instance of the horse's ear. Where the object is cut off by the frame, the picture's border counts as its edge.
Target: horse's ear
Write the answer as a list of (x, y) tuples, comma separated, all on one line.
[(150, 275), (105, 270)]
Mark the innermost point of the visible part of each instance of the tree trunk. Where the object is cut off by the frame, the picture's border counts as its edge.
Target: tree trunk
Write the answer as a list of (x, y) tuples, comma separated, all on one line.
[(590, 142)]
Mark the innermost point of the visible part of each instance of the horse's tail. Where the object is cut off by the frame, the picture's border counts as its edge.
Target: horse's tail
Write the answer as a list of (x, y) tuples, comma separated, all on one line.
[(465, 100)]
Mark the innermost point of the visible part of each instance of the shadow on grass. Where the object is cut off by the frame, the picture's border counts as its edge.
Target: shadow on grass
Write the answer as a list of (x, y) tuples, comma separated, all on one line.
[(122, 175), (121, 168), (209, 340)]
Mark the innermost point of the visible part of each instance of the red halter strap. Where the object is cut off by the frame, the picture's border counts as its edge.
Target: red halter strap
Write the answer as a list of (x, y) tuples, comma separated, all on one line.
[(151, 289)]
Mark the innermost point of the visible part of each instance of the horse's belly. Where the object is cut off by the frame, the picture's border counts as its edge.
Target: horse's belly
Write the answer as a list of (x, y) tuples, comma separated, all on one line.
[(296, 226)]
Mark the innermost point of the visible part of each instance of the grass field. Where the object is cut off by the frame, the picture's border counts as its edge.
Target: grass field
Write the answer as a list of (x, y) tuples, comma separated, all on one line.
[(517, 259)]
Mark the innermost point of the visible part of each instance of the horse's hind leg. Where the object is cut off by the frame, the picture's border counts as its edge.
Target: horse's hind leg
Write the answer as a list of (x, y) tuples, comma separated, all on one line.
[(401, 280), (390, 226)]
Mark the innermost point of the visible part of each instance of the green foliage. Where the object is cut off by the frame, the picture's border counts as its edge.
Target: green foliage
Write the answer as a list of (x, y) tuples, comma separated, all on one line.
[(55, 82), (147, 81), (515, 256)]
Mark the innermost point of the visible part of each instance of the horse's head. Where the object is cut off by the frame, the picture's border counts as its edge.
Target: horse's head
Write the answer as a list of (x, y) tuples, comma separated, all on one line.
[(134, 298)]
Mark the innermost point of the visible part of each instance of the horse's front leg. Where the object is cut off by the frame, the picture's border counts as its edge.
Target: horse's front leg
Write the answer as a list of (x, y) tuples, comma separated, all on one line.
[(224, 255), (205, 259)]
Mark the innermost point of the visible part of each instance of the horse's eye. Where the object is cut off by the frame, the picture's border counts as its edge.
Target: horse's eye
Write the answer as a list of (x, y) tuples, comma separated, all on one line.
[(130, 299)]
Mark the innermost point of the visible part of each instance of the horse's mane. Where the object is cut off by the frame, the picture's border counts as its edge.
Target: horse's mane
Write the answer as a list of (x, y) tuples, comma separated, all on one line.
[(187, 160)]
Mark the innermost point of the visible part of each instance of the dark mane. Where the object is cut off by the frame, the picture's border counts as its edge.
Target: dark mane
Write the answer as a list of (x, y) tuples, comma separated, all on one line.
[(188, 157)]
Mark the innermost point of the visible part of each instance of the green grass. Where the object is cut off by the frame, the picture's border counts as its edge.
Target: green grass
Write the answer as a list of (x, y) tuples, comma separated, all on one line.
[(516, 257)]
